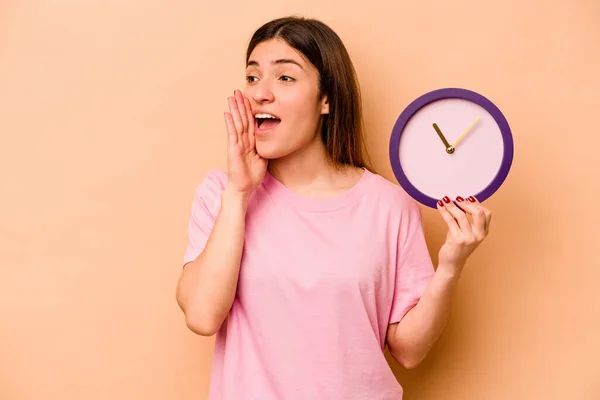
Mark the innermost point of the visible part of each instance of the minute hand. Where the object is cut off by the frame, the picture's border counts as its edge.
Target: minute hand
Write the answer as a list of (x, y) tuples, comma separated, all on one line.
[(465, 133)]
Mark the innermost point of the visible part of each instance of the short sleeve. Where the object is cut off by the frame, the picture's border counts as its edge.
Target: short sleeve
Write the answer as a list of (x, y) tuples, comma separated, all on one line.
[(205, 208), (414, 267)]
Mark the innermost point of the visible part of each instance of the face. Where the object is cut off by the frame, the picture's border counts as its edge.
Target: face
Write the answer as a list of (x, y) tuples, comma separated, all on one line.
[(283, 90)]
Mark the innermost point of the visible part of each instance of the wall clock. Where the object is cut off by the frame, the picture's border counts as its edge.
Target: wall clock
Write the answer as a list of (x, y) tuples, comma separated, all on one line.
[(451, 142)]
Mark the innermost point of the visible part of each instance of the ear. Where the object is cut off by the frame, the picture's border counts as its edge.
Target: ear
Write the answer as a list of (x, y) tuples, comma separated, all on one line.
[(324, 105)]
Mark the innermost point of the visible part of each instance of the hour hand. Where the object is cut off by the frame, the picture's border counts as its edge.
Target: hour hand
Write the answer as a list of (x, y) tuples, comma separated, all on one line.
[(441, 135)]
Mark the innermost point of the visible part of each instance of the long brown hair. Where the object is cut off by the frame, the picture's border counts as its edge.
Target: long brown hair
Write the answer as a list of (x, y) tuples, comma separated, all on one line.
[(342, 131)]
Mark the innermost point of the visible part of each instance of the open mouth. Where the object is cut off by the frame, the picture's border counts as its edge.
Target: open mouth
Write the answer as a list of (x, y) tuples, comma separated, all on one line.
[(266, 121)]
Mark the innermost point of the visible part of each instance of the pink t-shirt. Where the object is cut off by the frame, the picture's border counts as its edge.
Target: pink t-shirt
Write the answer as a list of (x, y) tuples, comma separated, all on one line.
[(320, 281)]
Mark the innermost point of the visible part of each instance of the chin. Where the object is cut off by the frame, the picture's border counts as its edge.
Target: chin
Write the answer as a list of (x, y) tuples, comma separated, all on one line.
[(274, 147), (270, 151)]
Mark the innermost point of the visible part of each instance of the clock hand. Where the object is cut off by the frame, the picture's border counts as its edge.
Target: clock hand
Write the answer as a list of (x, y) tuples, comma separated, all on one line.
[(465, 133), (441, 135)]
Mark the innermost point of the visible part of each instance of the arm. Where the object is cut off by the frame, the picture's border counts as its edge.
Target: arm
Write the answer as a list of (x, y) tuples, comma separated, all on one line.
[(207, 285), (411, 339)]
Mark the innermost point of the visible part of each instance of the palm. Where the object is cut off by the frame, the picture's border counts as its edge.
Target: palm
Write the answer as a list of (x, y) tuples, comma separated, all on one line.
[(246, 168)]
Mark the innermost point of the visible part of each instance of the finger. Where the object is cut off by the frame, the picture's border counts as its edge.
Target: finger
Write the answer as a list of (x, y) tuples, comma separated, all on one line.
[(450, 220), (488, 213), (240, 104), (242, 107), (237, 119), (477, 213), (232, 136), (251, 139), (459, 215)]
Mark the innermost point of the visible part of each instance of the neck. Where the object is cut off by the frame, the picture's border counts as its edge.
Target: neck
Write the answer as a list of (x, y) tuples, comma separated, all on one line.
[(309, 172), (302, 167)]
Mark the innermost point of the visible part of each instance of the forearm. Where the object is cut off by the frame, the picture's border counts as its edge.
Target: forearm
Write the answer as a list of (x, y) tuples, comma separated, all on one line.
[(207, 286), (421, 327)]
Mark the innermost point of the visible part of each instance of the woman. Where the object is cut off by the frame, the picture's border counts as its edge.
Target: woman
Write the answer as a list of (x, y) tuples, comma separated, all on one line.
[(303, 261)]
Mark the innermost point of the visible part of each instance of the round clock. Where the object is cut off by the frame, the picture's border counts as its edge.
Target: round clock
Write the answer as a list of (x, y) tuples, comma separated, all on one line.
[(451, 142)]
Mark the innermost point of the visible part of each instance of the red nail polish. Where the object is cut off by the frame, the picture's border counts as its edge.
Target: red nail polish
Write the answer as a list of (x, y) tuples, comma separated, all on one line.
[(441, 203), (460, 199), (472, 199), (446, 199)]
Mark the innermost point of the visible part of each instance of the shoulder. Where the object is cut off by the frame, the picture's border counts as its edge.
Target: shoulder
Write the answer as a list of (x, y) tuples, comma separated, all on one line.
[(213, 182), (209, 190), (394, 207), (391, 195), (401, 214)]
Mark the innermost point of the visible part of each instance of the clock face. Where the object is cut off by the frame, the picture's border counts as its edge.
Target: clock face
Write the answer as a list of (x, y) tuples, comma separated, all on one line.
[(451, 142)]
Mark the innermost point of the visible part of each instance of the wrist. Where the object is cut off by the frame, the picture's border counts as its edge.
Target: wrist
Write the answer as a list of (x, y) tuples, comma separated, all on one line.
[(450, 271), (234, 196)]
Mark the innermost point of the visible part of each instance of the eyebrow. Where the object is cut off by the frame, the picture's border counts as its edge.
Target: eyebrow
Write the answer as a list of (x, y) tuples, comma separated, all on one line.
[(278, 61)]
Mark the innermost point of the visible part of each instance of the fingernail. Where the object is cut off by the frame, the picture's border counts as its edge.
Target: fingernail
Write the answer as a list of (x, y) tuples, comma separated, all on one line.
[(441, 203), (460, 199), (472, 199), (447, 199)]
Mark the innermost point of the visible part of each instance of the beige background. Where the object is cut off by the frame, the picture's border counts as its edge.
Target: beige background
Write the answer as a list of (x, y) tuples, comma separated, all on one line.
[(111, 113)]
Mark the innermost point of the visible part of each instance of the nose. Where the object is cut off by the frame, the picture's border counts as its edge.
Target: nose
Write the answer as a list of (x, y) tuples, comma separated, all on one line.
[(261, 92)]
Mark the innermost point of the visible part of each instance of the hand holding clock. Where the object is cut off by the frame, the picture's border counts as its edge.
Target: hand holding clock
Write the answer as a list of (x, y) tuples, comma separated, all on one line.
[(468, 225)]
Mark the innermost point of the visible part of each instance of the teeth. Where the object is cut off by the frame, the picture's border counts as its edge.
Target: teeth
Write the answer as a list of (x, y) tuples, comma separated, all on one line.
[(265, 116)]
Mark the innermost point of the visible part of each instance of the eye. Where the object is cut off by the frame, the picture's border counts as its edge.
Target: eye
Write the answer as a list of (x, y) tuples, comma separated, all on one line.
[(286, 78), (250, 78)]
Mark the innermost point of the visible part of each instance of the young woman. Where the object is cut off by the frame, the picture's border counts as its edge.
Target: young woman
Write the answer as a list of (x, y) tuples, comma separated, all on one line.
[(304, 261)]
